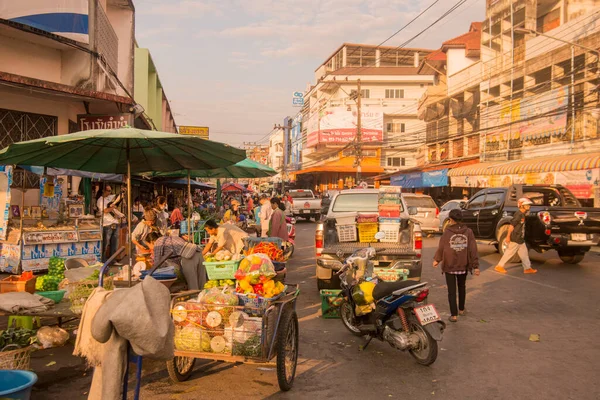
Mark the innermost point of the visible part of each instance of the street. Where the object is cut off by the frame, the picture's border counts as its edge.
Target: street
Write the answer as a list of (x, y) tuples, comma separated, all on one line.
[(486, 355)]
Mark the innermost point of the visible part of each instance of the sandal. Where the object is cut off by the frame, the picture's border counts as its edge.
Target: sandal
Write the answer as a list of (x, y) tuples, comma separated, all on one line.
[(453, 318), (462, 313)]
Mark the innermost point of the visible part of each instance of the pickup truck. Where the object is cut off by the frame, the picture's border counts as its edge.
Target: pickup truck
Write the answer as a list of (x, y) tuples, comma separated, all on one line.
[(305, 204), (405, 254), (556, 221)]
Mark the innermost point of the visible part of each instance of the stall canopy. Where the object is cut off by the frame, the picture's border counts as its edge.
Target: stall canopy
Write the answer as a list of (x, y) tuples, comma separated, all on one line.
[(419, 179), (410, 180), (435, 178), (233, 187), (94, 176), (244, 169), (193, 184)]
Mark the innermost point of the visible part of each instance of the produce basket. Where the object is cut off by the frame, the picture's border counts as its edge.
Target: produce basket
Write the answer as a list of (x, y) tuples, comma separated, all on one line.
[(392, 232), (80, 291), (384, 220), (13, 284), (221, 269), (330, 303), (54, 295), (392, 199), (16, 359), (256, 305), (367, 231), (389, 211), (346, 233), (390, 275), (346, 220)]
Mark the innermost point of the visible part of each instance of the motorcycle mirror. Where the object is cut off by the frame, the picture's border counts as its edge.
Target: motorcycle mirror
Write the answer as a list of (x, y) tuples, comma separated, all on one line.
[(380, 235)]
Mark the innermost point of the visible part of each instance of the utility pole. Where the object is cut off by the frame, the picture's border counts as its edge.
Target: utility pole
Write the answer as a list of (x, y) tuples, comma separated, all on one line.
[(358, 148), (286, 146)]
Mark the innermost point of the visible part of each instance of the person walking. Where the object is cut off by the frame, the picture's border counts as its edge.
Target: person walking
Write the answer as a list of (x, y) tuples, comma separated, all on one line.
[(264, 215), (457, 252), (515, 239), (110, 224)]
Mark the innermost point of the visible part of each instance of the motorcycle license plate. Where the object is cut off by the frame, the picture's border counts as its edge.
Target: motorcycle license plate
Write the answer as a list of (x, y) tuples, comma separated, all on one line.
[(306, 211), (580, 237), (427, 314)]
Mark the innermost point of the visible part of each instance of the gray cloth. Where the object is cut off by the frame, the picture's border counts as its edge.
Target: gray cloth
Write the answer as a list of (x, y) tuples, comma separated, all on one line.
[(194, 271), (24, 302), (139, 315)]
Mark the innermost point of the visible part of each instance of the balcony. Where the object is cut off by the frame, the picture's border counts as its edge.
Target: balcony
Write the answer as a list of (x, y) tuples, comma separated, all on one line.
[(465, 79)]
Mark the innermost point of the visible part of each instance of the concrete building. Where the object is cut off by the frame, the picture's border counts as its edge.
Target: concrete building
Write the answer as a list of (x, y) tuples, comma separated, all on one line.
[(275, 159), (149, 93), (391, 132)]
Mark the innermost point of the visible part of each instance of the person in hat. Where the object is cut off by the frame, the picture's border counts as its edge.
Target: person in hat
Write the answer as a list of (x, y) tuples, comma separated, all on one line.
[(233, 214), (457, 252)]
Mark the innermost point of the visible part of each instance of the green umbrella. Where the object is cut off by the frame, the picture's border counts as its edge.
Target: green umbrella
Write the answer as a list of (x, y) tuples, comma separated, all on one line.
[(108, 151), (122, 151), (246, 168)]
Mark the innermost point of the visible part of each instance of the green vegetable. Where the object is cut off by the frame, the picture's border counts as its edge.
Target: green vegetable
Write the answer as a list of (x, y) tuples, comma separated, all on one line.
[(250, 348), (19, 337)]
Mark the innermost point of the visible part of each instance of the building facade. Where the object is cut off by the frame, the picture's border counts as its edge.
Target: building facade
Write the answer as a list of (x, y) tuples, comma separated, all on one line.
[(390, 86)]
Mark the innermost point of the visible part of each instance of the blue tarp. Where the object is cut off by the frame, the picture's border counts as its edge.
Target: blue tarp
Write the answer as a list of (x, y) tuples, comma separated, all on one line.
[(95, 176), (421, 179), (435, 178), (411, 180)]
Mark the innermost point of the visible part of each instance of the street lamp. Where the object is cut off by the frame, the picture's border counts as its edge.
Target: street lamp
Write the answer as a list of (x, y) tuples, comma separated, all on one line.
[(572, 89)]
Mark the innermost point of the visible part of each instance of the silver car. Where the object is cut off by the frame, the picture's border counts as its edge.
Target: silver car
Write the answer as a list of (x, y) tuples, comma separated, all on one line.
[(445, 210), (422, 208)]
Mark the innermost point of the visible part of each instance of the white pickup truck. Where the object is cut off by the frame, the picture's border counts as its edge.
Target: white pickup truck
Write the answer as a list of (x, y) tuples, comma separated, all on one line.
[(305, 204)]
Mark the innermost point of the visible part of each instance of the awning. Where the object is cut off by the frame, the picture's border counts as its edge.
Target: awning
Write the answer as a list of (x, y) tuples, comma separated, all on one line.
[(410, 180), (365, 169), (561, 163)]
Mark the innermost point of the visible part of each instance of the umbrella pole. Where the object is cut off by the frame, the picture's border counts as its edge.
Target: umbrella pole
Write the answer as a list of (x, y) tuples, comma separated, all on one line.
[(129, 245), (189, 213)]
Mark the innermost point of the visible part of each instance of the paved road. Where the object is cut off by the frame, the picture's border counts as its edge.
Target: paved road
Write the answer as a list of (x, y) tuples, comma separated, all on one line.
[(486, 355)]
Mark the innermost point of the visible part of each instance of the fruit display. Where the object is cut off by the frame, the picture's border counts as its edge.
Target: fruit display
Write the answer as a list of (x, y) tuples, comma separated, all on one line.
[(222, 255), (215, 283), (269, 249), (56, 273)]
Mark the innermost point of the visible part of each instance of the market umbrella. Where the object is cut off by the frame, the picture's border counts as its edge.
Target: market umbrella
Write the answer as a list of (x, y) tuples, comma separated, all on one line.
[(246, 168), (233, 187), (193, 184), (122, 151)]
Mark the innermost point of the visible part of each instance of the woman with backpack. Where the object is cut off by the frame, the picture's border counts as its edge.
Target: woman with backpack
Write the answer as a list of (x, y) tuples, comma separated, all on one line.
[(457, 252)]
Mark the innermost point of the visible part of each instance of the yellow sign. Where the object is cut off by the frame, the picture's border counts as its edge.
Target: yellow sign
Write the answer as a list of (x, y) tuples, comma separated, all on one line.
[(201, 131)]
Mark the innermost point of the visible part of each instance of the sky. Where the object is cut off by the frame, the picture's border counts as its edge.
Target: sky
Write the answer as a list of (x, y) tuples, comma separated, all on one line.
[(233, 65)]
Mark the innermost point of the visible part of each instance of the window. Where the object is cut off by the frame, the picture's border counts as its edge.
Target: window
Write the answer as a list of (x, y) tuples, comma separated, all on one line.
[(476, 202), (365, 94), (396, 127), (419, 202), (394, 93), (451, 205), (356, 202), (493, 199), (396, 161), (302, 194)]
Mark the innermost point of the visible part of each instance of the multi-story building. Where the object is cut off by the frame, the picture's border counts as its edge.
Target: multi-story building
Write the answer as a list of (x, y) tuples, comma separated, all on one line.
[(538, 95), (390, 86), (275, 160)]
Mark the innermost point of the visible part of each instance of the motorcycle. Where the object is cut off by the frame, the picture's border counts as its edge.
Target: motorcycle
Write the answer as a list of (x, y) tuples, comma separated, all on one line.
[(398, 314), (288, 247)]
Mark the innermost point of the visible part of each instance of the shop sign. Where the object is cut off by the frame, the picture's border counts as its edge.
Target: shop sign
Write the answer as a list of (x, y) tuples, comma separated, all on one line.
[(338, 126), (200, 131), (298, 99), (87, 122)]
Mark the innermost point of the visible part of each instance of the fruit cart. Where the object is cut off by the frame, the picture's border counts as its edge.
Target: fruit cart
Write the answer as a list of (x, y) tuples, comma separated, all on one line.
[(259, 331)]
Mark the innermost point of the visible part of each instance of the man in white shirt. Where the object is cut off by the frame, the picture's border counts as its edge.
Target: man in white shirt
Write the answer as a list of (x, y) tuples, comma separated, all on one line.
[(110, 225), (225, 237), (264, 215)]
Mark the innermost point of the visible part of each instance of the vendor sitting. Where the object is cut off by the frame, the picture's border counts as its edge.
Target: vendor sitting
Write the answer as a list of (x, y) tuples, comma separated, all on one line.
[(185, 256), (141, 231), (225, 237)]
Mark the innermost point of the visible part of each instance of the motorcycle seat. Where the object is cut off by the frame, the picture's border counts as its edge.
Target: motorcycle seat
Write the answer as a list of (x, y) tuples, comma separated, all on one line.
[(384, 289)]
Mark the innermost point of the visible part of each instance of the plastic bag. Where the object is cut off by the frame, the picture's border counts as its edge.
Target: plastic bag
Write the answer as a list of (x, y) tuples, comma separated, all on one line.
[(52, 336), (225, 296), (256, 265)]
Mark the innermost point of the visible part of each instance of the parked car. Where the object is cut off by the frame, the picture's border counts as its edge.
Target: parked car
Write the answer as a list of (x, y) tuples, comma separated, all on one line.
[(422, 208), (405, 253), (445, 210), (556, 220), (305, 204)]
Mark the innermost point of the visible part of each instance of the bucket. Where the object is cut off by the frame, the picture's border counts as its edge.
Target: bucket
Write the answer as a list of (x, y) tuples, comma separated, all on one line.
[(16, 384)]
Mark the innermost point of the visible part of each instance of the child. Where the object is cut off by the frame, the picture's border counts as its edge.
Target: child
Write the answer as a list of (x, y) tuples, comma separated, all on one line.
[(457, 252)]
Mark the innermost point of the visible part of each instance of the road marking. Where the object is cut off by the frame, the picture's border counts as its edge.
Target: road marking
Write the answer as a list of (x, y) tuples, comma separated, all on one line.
[(534, 282)]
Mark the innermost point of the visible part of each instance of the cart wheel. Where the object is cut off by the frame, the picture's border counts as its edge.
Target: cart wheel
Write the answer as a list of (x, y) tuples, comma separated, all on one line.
[(180, 368), (287, 349)]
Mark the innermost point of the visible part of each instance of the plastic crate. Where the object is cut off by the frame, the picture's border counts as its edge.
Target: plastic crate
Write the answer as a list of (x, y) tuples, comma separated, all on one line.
[(221, 269), (365, 218), (346, 220), (389, 211), (367, 231), (330, 303), (384, 220), (392, 232), (55, 295), (389, 199), (390, 275), (13, 284), (346, 233), (390, 189)]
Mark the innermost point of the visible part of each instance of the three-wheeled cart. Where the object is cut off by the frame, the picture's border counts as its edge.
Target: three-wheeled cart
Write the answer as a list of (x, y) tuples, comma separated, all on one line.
[(258, 331)]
